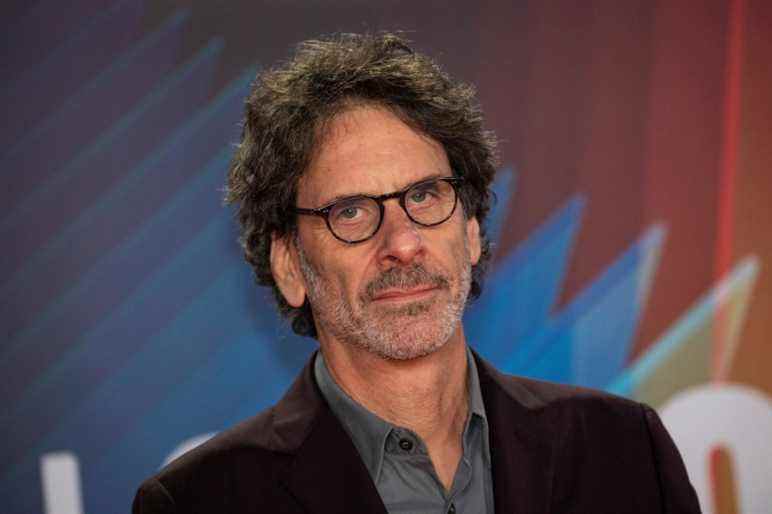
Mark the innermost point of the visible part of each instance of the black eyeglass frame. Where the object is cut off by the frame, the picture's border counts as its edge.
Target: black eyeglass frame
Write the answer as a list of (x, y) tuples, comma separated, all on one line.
[(324, 211)]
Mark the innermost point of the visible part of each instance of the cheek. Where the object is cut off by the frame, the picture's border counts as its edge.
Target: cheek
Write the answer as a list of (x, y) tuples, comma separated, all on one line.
[(345, 278), (457, 256), (459, 245)]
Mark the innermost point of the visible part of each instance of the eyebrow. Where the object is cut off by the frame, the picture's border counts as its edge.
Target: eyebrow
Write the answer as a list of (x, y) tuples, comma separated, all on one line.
[(346, 196)]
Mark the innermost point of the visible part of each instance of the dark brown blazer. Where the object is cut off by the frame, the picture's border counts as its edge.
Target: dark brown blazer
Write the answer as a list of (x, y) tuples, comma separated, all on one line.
[(555, 449)]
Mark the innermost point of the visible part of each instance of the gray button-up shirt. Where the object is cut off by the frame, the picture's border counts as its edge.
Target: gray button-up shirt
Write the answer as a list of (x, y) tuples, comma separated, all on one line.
[(398, 460)]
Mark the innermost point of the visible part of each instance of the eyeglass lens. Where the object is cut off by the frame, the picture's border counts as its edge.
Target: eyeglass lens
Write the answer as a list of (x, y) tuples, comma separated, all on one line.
[(427, 203)]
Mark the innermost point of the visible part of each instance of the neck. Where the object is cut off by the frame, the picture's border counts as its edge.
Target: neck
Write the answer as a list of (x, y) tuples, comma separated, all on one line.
[(427, 395)]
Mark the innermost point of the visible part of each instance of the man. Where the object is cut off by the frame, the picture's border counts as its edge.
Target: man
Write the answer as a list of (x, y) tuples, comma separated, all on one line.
[(362, 183)]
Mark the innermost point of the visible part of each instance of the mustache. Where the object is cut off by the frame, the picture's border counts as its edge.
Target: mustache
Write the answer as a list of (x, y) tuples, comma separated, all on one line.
[(409, 277)]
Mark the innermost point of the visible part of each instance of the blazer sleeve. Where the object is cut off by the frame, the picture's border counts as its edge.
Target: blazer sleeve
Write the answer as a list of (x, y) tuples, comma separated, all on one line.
[(153, 498), (677, 494)]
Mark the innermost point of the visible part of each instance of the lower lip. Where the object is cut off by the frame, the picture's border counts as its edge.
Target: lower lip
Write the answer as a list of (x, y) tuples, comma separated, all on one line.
[(407, 297)]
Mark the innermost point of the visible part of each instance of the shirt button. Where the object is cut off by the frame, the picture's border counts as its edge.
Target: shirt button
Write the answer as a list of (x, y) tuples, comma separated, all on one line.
[(452, 509), (406, 444)]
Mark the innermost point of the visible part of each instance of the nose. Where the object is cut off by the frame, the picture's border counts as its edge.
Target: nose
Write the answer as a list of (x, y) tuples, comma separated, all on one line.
[(400, 239)]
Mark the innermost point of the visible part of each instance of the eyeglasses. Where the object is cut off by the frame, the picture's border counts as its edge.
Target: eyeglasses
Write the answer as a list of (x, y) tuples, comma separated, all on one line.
[(358, 218)]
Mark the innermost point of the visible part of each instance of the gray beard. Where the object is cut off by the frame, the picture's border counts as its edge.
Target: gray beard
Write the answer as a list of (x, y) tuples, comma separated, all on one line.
[(401, 333)]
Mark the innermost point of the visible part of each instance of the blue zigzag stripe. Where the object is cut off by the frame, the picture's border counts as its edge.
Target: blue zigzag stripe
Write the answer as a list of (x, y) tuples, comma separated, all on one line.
[(523, 288)]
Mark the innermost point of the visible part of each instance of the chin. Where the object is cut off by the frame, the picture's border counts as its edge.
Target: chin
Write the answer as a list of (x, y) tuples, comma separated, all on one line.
[(414, 331)]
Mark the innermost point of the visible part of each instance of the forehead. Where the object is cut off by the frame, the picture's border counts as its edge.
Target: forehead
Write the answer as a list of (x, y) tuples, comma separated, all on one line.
[(369, 150)]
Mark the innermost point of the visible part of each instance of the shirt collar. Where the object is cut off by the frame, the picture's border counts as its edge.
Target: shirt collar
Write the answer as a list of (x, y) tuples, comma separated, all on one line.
[(476, 405), (369, 432)]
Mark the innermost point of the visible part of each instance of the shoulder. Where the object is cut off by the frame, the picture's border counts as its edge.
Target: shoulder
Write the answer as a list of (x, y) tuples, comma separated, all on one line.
[(587, 429), (243, 458), (541, 395), (569, 419), (602, 444), (250, 443), (251, 436), (552, 400), (244, 461)]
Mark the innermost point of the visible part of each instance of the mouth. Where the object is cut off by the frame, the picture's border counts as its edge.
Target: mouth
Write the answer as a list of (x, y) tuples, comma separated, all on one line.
[(405, 295)]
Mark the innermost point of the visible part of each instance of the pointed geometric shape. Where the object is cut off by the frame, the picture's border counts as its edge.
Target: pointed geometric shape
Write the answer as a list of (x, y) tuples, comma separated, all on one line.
[(600, 354), (588, 343), (683, 356), (520, 292)]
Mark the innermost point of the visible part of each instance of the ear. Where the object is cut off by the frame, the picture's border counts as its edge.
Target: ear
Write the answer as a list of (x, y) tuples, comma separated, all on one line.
[(285, 268), (473, 239)]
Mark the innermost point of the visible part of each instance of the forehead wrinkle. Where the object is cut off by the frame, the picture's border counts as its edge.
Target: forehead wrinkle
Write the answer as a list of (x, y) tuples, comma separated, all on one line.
[(407, 186), (345, 137), (326, 137)]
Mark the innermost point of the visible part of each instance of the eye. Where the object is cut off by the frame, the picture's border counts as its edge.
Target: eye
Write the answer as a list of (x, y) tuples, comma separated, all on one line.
[(353, 211), (348, 213), (423, 195), (418, 196)]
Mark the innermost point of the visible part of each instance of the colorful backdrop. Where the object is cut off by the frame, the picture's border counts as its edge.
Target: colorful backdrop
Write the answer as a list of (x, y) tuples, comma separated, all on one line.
[(633, 224)]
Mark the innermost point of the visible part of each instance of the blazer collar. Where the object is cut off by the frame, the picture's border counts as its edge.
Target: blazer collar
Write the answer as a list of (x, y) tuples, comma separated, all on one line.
[(522, 441), (328, 475)]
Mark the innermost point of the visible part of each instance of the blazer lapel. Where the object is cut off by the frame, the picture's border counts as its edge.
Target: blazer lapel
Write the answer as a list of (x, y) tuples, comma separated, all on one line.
[(329, 476), (327, 473), (522, 444)]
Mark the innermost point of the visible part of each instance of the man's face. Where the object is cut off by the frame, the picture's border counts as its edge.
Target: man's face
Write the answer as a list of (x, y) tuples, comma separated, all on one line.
[(401, 293)]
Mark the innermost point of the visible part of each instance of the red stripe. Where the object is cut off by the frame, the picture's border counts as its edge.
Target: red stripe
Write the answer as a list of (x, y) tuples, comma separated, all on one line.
[(728, 171)]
